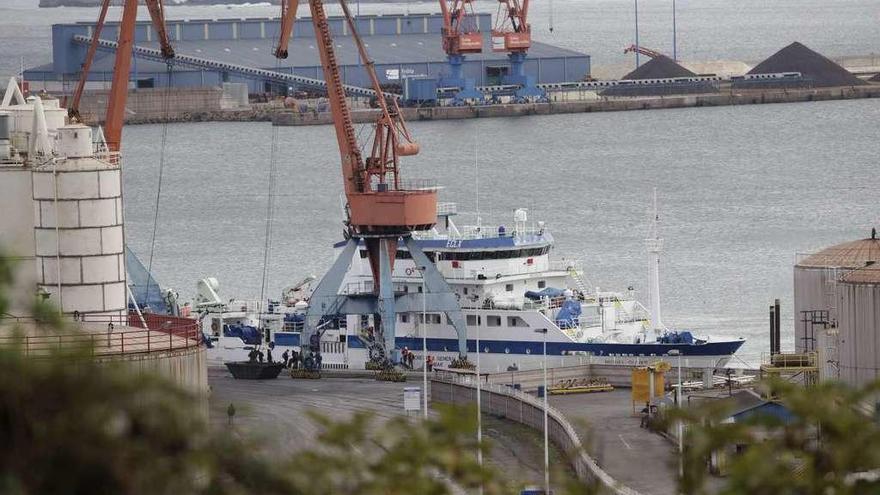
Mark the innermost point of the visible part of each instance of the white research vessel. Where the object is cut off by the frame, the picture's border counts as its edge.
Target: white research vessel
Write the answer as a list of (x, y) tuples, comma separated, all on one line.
[(510, 288)]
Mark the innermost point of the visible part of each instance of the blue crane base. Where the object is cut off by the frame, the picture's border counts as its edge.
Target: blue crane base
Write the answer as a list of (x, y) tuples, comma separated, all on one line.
[(456, 79), (327, 304), (528, 90)]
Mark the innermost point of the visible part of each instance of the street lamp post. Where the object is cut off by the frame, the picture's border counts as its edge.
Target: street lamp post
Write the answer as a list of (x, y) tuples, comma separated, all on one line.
[(546, 436), (677, 353), (424, 345)]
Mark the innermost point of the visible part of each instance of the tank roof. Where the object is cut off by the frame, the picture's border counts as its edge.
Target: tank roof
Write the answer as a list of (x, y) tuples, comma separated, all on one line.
[(853, 254), (867, 275)]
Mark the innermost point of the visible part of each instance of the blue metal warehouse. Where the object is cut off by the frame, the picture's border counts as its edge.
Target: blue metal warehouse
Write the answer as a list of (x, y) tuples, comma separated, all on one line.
[(401, 45)]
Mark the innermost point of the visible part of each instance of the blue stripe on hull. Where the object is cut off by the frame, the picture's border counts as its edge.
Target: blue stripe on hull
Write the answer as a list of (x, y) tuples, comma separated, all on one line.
[(725, 348)]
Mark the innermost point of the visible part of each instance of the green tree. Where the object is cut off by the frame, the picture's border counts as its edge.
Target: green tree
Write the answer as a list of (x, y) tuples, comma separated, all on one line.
[(830, 446)]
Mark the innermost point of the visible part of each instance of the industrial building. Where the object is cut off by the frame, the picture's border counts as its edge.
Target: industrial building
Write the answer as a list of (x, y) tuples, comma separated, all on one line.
[(837, 309), (402, 46)]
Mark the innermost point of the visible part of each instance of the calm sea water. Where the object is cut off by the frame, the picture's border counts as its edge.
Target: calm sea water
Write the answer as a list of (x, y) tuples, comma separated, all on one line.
[(742, 189)]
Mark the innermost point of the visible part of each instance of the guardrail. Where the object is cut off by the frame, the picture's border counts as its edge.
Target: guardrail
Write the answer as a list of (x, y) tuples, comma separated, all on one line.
[(527, 410), (118, 335)]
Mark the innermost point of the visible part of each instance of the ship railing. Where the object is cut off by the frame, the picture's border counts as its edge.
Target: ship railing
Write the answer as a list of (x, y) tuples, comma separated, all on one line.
[(469, 232), (353, 288), (111, 335), (293, 326), (412, 185), (566, 265), (447, 208)]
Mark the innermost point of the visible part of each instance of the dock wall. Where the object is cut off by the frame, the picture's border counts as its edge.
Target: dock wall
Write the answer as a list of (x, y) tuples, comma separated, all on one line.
[(290, 117), (504, 402)]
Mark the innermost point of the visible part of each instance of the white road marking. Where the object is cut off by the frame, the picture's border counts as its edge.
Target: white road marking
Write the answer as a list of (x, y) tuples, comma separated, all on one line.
[(624, 442)]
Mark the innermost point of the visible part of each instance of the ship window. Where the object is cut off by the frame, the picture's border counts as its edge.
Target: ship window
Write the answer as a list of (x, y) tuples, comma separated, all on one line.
[(493, 321), (436, 319), (508, 287), (420, 289), (404, 318), (542, 284), (516, 321)]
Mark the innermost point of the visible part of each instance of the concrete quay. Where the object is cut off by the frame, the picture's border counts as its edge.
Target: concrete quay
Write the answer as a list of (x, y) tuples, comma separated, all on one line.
[(725, 98), (276, 412)]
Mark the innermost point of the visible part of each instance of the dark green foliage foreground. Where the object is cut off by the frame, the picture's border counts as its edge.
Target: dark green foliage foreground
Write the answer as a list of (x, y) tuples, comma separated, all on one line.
[(832, 447)]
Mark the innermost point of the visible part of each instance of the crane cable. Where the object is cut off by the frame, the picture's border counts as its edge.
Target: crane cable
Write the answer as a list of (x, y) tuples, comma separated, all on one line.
[(550, 6), (270, 207), (164, 140)]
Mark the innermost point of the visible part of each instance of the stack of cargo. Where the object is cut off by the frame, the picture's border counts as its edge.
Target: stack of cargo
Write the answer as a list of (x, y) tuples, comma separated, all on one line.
[(816, 71), (659, 76)]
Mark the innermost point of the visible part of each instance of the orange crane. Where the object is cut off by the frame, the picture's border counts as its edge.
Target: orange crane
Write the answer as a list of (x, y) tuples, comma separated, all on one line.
[(122, 65), (382, 210), (461, 36), (512, 33)]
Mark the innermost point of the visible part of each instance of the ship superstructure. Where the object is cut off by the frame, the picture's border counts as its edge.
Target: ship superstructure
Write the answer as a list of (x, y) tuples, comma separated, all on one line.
[(511, 287)]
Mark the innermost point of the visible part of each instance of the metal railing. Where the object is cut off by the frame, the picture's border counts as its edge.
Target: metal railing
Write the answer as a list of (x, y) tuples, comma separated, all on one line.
[(106, 335)]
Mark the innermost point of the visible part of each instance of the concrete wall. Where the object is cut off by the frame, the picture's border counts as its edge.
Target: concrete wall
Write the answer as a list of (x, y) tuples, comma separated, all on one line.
[(527, 410), (154, 104)]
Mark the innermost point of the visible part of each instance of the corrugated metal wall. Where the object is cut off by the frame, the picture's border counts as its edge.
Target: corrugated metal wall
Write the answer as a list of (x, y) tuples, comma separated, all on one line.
[(859, 329), (810, 293)]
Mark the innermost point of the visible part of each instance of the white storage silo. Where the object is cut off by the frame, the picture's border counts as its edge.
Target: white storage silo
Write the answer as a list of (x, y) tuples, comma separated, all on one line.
[(816, 275), (78, 227), (859, 325)]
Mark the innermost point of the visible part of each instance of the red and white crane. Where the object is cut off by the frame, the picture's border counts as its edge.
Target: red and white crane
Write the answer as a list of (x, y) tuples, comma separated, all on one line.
[(461, 36), (512, 33)]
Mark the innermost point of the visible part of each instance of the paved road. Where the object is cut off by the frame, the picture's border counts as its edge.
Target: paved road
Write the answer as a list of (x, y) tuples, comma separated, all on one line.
[(641, 460), (275, 411)]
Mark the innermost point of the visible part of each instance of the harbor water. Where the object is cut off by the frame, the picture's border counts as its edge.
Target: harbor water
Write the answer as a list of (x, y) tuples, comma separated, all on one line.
[(742, 190)]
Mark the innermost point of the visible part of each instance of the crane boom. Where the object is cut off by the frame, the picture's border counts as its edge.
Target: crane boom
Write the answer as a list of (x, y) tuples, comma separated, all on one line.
[(288, 16), (73, 108), (512, 31), (460, 32), (115, 115), (643, 51)]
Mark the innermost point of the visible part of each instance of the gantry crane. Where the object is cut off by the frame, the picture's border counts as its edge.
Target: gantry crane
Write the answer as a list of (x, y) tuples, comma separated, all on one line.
[(461, 36), (513, 34), (382, 210), (122, 65)]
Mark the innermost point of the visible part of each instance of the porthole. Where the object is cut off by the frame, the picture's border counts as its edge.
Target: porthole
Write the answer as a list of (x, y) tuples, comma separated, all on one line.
[(528, 351)]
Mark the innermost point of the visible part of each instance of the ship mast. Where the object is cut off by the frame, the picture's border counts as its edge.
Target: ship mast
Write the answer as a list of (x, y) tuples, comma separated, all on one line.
[(655, 245)]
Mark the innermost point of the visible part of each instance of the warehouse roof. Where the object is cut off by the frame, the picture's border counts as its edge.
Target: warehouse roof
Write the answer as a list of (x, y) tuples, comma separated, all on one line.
[(854, 254), (384, 49)]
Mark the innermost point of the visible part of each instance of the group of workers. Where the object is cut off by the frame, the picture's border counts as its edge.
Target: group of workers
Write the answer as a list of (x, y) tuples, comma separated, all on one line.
[(408, 359)]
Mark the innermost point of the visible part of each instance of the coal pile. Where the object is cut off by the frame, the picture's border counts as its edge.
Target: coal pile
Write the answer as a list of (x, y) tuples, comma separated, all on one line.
[(660, 67), (817, 70)]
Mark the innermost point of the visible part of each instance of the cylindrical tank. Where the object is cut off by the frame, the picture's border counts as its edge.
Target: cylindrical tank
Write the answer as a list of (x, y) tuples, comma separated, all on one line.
[(815, 277), (859, 325), (78, 230)]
